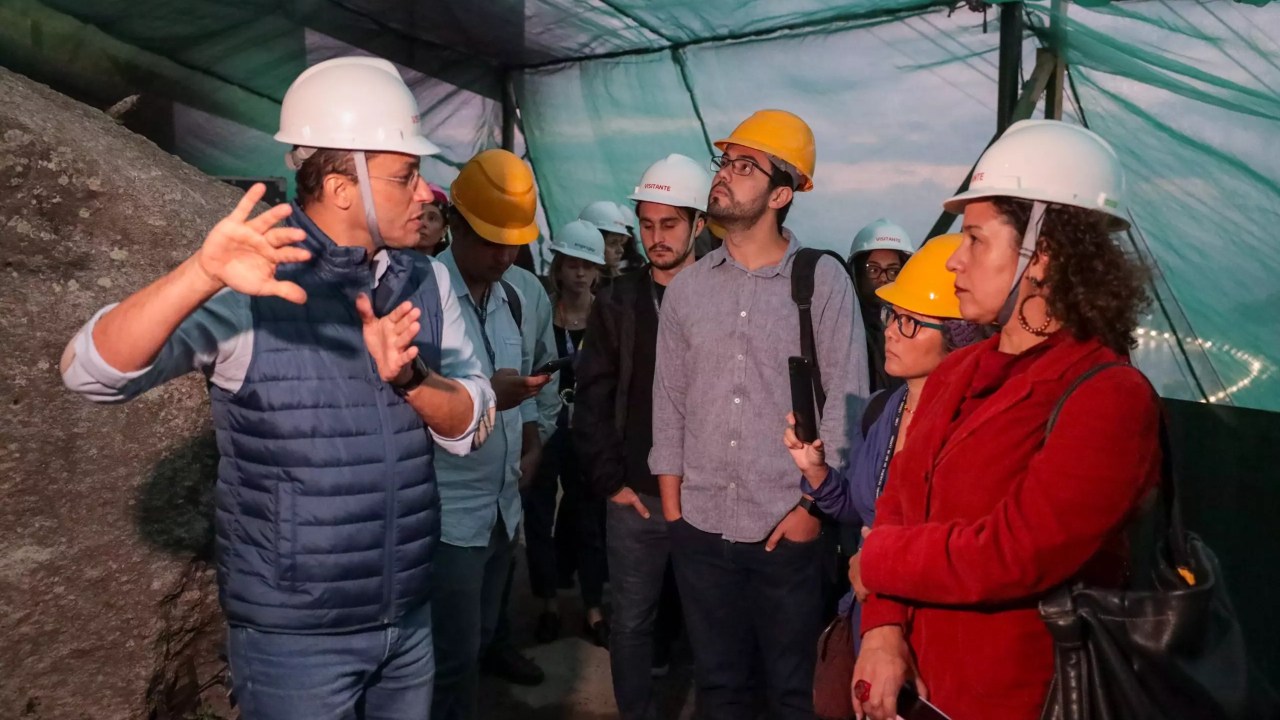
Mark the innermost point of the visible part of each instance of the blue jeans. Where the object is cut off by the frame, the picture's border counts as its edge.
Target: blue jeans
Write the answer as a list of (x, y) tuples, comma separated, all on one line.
[(382, 674), (468, 584)]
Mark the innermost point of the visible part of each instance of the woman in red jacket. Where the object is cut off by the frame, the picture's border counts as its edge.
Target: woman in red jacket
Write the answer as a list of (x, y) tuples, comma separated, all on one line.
[(984, 514)]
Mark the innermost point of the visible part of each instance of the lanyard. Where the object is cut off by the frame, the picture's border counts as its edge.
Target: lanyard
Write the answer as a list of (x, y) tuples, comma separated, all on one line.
[(888, 452), (482, 314), (570, 350)]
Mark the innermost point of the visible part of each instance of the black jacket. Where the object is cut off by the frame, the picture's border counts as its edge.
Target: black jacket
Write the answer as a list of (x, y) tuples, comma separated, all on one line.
[(613, 407)]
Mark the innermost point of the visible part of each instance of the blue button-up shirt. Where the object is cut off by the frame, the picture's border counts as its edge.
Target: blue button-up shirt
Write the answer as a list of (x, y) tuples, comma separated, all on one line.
[(476, 488)]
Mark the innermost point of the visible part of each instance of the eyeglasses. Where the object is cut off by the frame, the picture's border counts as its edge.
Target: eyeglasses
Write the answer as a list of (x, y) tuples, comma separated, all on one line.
[(742, 166), (888, 274), (408, 182), (908, 326)]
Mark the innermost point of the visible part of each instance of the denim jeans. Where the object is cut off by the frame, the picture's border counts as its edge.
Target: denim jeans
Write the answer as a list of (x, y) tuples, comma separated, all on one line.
[(751, 615), (638, 554), (382, 674), (468, 584)]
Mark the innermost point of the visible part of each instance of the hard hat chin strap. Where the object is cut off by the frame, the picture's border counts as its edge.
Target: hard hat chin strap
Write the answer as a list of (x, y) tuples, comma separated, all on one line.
[(366, 195), (1028, 249)]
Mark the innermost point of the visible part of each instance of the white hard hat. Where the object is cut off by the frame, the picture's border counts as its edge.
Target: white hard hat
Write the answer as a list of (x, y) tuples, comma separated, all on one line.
[(606, 216), (580, 239), (353, 103), (881, 235), (676, 180), (628, 215), (1052, 162)]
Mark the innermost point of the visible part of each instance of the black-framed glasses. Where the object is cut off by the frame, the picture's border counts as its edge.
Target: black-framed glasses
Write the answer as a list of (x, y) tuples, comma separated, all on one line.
[(742, 166), (908, 326), (887, 274)]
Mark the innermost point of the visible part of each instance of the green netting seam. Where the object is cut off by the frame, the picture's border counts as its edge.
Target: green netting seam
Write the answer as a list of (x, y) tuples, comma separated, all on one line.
[(678, 56)]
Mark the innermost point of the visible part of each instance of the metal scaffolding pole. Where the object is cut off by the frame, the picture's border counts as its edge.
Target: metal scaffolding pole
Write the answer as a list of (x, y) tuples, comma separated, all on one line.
[(1010, 63)]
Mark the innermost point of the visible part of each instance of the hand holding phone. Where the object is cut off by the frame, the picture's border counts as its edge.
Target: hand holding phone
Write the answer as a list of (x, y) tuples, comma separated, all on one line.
[(913, 707), (553, 366), (802, 403)]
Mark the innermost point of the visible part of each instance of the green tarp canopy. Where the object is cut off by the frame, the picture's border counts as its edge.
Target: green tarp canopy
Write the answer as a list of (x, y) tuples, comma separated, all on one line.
[(902, 97)]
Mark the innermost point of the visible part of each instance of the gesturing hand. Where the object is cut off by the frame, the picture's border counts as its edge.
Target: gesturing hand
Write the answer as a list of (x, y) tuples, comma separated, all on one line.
[(242, 253), (390, 338)]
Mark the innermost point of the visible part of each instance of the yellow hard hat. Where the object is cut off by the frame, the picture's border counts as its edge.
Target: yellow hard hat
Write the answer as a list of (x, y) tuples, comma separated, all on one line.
[(925, 285), (496, 195), (716, 229), (781, 134)]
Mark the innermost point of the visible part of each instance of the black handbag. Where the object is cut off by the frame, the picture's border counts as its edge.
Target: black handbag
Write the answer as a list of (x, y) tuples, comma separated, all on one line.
[(1171, 650)]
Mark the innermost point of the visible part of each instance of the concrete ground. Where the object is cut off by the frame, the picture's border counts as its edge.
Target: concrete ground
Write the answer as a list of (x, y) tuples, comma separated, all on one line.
[(578, 684)]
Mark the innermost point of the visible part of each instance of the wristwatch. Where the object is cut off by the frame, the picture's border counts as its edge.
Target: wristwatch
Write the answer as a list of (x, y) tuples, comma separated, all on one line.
[(418, 374), (810, 508)]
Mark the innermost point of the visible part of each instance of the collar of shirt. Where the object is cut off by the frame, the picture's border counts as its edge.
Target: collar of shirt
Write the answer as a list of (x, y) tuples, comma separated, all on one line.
[(460, 286), (721, 256)]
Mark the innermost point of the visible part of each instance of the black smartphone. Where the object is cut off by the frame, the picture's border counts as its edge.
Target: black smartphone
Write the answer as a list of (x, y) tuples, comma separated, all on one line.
[(802, 404), (553, 366), (913, 707)]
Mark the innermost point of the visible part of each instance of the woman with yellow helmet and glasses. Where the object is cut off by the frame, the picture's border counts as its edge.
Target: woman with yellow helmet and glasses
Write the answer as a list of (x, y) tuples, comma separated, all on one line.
[(922, 325)]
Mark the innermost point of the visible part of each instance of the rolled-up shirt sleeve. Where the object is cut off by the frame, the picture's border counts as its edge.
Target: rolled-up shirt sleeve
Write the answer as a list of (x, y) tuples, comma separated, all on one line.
[(458, 361), (216, 339)]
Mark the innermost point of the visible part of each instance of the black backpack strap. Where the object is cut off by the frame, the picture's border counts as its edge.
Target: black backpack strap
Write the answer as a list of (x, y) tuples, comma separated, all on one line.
[(1057, 409), (513, 299), (875, 408), (803, 268)]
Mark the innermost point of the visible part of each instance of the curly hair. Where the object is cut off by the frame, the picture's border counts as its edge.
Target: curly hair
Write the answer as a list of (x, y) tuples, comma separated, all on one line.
[(1095, 288)]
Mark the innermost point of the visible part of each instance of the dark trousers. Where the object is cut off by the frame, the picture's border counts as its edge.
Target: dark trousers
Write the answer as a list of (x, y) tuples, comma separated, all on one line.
[(638, 553), (468, 585), (751, 615), (574, 535)]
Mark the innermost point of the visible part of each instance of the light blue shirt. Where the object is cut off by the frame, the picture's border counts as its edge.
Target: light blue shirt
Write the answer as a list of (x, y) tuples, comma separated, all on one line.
[(475, 489), (540, 338)]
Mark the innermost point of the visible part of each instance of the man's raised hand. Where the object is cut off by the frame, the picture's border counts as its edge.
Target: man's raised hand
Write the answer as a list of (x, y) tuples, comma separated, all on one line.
[(390, 338), (242, 252)]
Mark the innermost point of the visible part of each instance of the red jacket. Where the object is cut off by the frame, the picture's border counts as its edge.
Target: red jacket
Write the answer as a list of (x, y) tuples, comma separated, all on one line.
[(980, 519)]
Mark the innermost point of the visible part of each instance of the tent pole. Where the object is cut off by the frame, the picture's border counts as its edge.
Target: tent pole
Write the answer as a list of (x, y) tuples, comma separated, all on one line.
[(1022, 108), (508, 113), (1058, 46), (1010, 63)]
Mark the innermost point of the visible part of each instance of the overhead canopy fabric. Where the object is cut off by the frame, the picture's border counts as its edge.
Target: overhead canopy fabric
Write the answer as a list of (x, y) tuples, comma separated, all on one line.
[(901, 96)]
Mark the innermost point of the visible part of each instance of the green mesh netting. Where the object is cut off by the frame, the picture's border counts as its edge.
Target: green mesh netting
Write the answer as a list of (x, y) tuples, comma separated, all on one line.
[(901, 94)]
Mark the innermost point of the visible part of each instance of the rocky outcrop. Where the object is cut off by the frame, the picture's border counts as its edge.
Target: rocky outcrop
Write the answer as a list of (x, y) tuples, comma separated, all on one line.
[(107, 603)]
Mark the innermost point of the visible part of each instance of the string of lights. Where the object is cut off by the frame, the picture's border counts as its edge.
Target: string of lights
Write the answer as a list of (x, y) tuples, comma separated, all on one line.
[(1256, 368)]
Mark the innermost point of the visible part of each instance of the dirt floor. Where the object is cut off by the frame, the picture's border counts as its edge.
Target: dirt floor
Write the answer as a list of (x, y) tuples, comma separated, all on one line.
[(578, 684)]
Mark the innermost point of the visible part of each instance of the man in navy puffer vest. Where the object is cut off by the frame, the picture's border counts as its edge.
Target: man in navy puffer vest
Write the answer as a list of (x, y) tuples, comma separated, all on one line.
[(337, 362)]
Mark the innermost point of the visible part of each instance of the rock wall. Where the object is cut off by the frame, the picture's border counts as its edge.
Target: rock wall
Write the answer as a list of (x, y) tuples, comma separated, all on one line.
[(107, 603)]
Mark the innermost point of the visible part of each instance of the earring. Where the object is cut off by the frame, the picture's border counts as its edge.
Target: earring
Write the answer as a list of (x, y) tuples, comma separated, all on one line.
[(1041, 331)]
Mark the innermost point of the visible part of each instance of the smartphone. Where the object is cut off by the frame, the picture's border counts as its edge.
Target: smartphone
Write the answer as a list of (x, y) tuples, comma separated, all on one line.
[(802, 404), (553, 366), (913, 707)]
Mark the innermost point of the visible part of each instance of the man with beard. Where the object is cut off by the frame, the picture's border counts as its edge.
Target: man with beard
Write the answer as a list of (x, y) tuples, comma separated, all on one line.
[(743, 541), (613, 420)]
